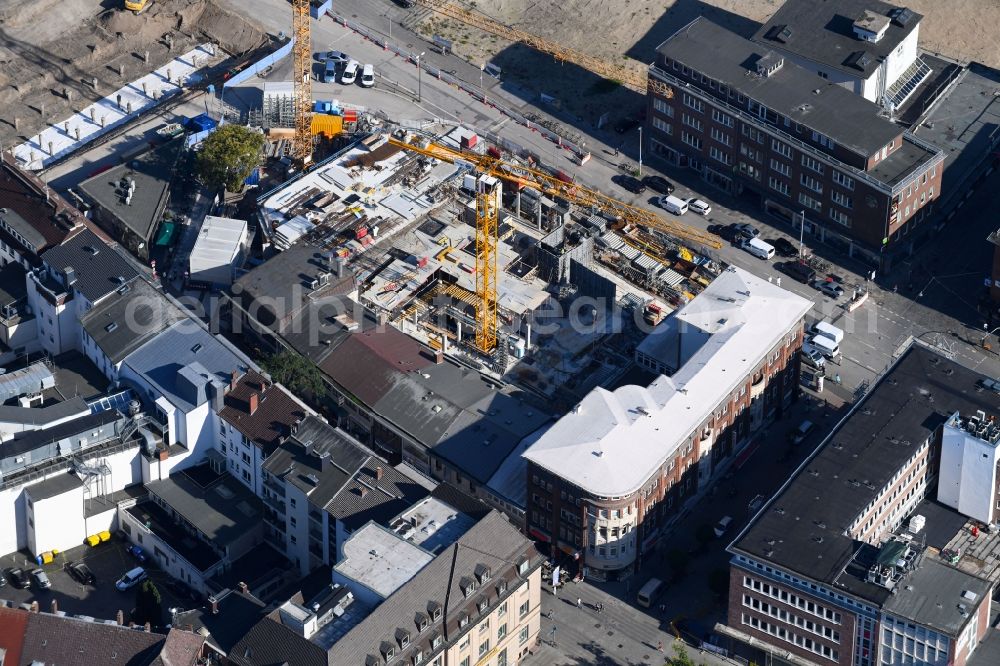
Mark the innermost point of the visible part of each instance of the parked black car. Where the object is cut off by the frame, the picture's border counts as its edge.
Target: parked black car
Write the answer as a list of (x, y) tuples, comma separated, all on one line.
[(19, 578), (658, 184), (81, 573), (633, 185), (784, 247), (797, 270)]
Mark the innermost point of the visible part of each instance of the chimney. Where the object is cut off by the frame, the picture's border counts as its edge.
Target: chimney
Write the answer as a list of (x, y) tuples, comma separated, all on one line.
[(254, 398), (54, 607), (147, 627), (34, 606), (233, 380), (214, 605), (324, 461), (243, 587), (120, 618), (363, 490), (439, 357), (378, 473)]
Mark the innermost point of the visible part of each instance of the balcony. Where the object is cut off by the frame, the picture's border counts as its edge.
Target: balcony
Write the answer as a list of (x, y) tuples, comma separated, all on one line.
[(277, 504), (274, 486), (758, 386)]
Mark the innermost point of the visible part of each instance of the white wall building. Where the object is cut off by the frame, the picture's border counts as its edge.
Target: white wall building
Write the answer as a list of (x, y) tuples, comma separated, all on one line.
[(219, 250), (967, 480)]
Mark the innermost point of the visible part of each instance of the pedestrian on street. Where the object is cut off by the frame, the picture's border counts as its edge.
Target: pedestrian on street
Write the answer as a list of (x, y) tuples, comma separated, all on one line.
[(579, 602), (659, 646)]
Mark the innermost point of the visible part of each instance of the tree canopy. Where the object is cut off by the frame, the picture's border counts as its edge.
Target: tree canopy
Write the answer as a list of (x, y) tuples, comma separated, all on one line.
[(299, 374), (228, 155), (148, 604)]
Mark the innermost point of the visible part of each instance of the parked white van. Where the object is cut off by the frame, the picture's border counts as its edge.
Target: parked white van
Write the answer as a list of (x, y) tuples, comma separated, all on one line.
[(368, 75), (649, 592), (828, 331), (673, 204), (131, 579), (350, 72), (825, 346), (758, 248)]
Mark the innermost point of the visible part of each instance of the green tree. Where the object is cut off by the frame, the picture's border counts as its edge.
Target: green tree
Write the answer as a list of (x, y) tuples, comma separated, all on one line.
[(299, 374), (680, 657), (148, 604), (228, 155)]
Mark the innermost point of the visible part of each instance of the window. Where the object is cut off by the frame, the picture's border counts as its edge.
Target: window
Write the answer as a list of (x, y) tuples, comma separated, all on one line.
[(781, 148), (722, 118), (719, 155), (810, 163), (839, 217), (522, 636), (502, 609), (844, 181), (753, 134), (781, 167), (721, 137), (841, 199), (693, 103), (466, 661), (752, 153), (824, 140), (663, 126), (812, 183), (501, 632), (809, 202), (691, 140), (691, 121), (778, 185), (662, 107), (484, 647), (523, 610)]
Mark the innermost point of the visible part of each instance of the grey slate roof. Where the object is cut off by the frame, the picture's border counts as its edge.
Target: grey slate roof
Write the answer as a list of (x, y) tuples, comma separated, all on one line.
[(152, 173), (33, 439), (50, 639), (849, 119), (223, 511), (53, 486), (270, 643), (493, 542), (237, 614), (97, 273), (446, 407), (40, 416), (932, 594), (823, 32), (183, 359), (823, 493), (365, 498), (127, 320)]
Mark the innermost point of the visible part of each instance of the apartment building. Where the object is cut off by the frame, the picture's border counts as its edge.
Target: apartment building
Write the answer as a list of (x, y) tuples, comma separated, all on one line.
[(753, 122), (477, 602), (868, 47), (842, 565), (607, 478)]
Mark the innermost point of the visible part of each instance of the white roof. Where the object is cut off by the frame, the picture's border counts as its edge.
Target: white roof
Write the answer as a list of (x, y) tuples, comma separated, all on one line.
[(219, 242), (611, 442), (381, 560)]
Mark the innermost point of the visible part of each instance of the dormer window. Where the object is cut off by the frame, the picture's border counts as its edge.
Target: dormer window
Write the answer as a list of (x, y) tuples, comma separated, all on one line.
[(403, 638), (482, 573), (418, 658), (436, 641), (482, 605), (522, 566), (434, 608), (467, 585), (421, 621), (464, 620), (501, 586), (387, 650)]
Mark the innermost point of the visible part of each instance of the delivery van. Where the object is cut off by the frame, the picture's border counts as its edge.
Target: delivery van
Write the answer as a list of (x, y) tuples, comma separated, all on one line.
[(825, 346), (650, 592), (828, 331), (758, 248), (674, 205)]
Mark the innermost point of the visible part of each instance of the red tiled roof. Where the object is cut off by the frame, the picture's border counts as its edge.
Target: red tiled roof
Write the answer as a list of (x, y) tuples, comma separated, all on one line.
[(276, 411), (13, 623)]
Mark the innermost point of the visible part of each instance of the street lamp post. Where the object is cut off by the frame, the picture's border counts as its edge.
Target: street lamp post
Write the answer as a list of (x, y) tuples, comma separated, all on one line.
[(389, 21), (640, 151), (802, 232), (420, 77)]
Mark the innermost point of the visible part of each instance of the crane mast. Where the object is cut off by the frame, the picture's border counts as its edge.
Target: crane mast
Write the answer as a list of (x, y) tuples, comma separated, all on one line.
[(302, 81)]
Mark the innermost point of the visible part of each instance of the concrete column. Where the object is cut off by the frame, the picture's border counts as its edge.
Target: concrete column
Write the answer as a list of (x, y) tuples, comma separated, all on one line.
[(17, 123), (145, 56), (527, 335), (458, 330), (103, 120), (118, 100), (144, 88), (68, 94), (76, 132), (129, 108), (92, 114), (50, 148), (66, 127), (93, 82), (517, 205), (121, 70), (41, 108)]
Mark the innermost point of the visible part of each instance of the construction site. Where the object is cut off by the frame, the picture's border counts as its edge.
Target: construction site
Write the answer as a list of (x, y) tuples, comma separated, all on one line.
[(552, 301)]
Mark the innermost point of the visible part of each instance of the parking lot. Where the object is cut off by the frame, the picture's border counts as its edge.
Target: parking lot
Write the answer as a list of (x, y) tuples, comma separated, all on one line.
[(108, 561)]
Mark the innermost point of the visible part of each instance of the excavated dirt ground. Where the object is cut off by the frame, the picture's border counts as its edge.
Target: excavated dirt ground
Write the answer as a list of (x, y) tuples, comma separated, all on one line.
[(48, 46), (961, 29)]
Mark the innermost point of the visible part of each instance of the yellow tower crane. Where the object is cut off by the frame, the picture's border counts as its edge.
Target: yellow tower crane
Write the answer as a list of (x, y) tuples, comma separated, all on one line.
[(487, 214), (632, 75), (302, 81)]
